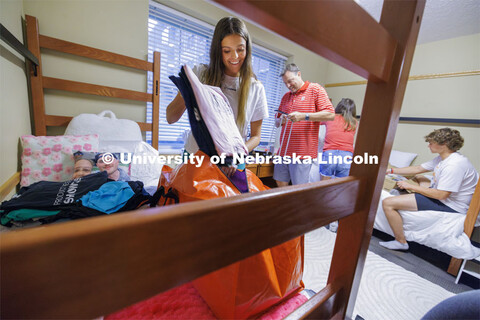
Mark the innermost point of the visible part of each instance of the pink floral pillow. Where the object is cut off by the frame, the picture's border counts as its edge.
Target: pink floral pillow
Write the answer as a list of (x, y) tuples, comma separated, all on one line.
[(51, 158)]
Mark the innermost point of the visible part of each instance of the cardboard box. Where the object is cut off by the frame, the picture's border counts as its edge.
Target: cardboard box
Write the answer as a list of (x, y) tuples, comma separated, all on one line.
[(391, 181)]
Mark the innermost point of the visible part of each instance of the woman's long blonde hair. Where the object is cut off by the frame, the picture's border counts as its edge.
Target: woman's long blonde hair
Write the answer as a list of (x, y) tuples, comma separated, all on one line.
[(214, 74), (346, 107)]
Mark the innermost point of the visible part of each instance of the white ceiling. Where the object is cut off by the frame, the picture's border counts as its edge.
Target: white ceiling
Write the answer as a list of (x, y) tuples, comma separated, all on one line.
[(442, 19)]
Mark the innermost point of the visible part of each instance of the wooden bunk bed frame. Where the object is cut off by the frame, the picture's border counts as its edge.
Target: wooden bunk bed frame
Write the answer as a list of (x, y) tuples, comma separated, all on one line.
[(38, 82), (92, 267)]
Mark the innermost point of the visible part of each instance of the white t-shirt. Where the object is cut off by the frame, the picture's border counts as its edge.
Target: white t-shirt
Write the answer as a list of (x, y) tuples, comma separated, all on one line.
[(454, 174), (256, 108)]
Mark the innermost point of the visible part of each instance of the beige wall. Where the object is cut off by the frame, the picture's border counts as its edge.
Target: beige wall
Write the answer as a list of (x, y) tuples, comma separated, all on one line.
[(456, 98), (14, 110)]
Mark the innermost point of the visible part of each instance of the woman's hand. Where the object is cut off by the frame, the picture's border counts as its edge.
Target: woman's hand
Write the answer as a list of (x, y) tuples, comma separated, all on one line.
[(175, 109)]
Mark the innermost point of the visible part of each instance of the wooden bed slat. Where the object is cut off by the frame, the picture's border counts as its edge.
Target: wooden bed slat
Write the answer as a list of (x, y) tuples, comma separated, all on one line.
[(9, 185), (82, 87), (57, 121), (144, 126), (156, 99), (93, 53), (36, 84), (95, 266), (62, 121), (340, 31)]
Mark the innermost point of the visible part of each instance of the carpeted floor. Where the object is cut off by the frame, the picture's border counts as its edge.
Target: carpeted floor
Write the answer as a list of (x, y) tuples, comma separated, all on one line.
[(428, 263), (387, 290)]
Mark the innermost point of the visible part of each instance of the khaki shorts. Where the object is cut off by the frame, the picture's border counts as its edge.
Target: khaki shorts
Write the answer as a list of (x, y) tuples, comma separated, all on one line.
[(298, 173)]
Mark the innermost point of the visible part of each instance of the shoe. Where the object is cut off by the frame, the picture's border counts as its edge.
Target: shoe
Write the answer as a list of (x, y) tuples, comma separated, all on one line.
[(308, 293), (394, 245), (333, 226)]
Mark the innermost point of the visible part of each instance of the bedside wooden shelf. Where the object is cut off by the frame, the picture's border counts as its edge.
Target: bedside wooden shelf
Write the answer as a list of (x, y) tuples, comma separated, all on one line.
[(261, 170)]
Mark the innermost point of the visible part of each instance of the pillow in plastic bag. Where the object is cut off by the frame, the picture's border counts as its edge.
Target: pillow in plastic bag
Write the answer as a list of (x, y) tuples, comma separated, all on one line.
[(400, 159)]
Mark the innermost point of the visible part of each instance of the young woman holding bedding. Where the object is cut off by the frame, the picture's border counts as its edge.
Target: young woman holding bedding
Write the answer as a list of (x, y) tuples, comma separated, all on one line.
[(451, 190), (230, 69)]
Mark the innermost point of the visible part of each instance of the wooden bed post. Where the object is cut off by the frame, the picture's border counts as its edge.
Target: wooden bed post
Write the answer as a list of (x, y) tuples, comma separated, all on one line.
[(156, 99), (380, 114), (384, 59), (470, 219), (36, 81)]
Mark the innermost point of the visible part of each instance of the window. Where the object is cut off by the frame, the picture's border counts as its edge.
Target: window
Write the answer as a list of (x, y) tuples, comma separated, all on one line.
[(184, 40)]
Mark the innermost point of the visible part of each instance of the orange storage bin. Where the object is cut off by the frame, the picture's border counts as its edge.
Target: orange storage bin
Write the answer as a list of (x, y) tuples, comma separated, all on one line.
[(248, 287)]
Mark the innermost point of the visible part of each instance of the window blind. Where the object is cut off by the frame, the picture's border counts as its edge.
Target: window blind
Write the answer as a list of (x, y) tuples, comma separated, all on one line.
[(184, 40)]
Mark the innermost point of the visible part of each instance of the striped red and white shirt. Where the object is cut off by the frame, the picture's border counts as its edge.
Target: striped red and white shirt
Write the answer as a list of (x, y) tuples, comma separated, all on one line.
[(310, 98)]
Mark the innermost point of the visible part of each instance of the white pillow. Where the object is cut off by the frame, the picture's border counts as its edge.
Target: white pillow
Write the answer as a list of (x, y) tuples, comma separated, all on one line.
[(118, 146), (107, 127), (148, 171), (401, 159)]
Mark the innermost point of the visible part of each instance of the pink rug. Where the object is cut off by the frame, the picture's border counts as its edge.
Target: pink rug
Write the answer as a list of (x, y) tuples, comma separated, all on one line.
[(185, 302)]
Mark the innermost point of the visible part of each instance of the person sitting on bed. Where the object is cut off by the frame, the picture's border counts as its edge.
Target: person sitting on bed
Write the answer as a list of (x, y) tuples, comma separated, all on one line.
[(452, 187), (109, 162), (82, 166)]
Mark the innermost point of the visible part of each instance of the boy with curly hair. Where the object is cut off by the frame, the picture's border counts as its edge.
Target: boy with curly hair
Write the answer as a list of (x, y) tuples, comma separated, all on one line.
[(451, 189)]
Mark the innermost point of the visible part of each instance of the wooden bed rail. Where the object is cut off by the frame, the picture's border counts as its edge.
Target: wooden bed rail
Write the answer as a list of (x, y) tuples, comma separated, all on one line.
[(38, 82), (470, 220), (62, 121), (95, 266), (94, 53), (9, 185), (88, 88)]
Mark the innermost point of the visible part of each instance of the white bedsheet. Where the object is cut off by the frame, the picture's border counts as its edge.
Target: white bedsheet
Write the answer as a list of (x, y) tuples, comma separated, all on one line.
[(439, 230)]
